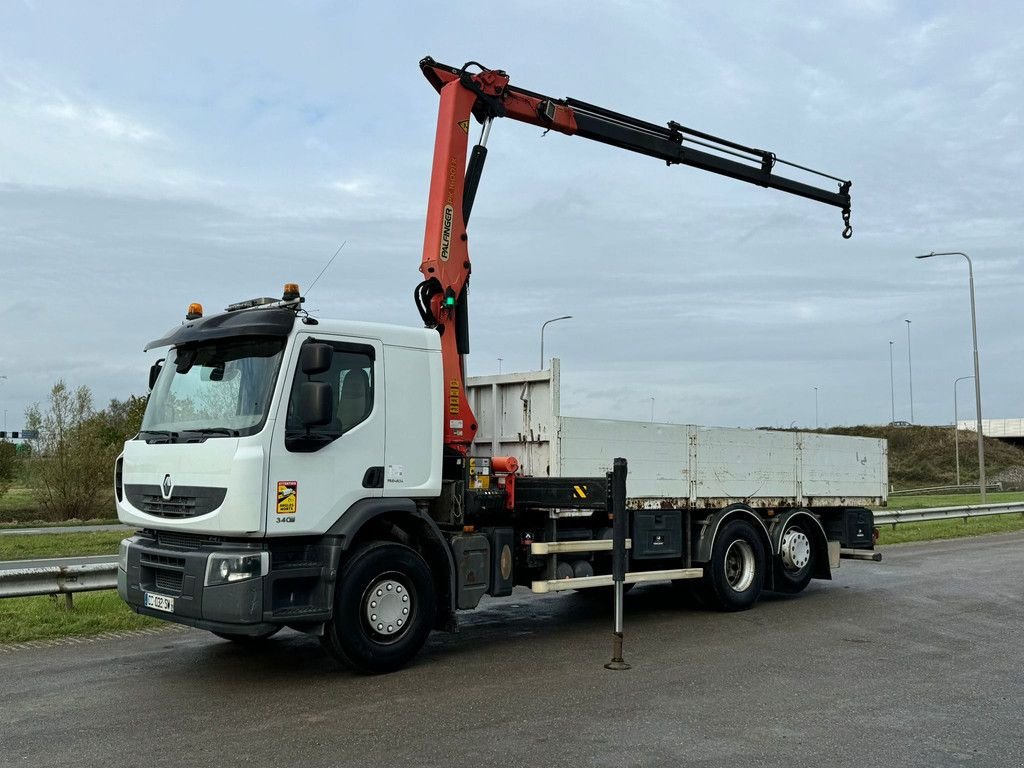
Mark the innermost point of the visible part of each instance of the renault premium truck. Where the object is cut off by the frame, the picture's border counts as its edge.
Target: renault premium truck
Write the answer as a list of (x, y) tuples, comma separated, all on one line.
[(345, 479)]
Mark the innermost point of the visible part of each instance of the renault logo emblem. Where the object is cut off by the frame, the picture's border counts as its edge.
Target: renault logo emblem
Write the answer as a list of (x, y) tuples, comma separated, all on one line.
[(167, 487)]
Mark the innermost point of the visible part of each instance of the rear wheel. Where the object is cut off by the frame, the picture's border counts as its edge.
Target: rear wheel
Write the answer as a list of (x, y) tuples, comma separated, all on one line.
[(795, 563), (734, 577), (384, 607)]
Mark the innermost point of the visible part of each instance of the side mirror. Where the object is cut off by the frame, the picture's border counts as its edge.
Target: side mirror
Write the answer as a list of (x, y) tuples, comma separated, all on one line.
[(315, 358), (154, 372), (316, 403)]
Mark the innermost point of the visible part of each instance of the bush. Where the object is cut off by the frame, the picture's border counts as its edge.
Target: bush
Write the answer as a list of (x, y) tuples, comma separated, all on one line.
[(71, 467), (10, 463)]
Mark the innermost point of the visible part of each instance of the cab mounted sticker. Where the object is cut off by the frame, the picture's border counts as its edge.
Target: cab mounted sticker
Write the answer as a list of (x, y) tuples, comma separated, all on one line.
[(287, 500)]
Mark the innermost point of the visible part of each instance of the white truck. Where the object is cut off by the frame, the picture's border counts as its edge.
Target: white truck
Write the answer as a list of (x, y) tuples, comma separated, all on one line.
[(290, 472), (344, 479)]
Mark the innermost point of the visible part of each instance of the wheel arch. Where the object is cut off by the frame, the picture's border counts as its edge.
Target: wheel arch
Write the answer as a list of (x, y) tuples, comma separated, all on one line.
[(712, 525), (819, 540), (402, 521)]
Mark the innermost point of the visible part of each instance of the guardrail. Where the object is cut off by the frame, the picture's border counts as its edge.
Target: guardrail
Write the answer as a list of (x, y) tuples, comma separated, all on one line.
[(994, 487), (58, 580), (895, 516)]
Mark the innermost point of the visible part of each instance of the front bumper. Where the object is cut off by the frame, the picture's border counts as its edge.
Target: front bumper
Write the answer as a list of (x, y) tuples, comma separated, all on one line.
[(178, 573)]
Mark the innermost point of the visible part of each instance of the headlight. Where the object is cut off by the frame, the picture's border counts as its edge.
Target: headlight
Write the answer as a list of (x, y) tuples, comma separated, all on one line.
[(228, 567), (122, 556)]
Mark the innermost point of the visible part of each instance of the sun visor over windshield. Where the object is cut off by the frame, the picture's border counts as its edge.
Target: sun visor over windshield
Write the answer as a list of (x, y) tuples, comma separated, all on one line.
[(256, 322)]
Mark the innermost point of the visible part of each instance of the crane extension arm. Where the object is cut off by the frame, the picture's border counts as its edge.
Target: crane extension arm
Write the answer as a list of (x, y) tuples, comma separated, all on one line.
[(442, 297)]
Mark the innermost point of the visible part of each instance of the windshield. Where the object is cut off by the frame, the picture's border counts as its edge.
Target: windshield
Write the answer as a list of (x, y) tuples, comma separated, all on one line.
[(219, 388)]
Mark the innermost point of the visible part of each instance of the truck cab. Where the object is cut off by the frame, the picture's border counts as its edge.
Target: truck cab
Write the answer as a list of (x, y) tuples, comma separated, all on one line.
[(264, 428)]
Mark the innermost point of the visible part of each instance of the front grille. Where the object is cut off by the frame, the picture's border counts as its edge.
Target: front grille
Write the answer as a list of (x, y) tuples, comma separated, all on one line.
[(168, 582), (149, 558), (185, 502), (174, 507), (189, 541)]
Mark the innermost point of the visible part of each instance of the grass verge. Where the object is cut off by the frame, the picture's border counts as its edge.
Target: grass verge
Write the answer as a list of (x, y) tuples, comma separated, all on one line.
[(949, 529), (954, 500), (35, 545), (42, 618)]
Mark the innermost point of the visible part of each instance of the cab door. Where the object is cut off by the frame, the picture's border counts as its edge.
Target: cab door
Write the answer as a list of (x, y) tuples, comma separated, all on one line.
[(318, 471)]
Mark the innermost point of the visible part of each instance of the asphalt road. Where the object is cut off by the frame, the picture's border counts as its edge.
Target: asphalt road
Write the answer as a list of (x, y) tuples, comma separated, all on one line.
[(916, 661)]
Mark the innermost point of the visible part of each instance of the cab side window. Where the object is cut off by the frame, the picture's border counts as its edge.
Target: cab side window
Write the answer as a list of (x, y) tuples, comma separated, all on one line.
[(351, 381)]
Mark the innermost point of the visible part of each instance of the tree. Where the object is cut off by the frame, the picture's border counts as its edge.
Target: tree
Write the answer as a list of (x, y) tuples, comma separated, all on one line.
[(71, 468)]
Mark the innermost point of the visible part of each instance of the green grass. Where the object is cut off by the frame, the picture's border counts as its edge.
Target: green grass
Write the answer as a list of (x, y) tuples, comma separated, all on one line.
[(41, 618), (15, 502), (953, 500), (19, 507), (28, 546), (949, 529)]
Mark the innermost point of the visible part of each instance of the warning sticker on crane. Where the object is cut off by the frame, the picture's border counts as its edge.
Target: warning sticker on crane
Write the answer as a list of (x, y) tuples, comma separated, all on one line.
[(464, 125)]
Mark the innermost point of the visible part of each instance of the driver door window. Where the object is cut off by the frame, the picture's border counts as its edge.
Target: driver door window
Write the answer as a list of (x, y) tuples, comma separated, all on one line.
[(351, 379)]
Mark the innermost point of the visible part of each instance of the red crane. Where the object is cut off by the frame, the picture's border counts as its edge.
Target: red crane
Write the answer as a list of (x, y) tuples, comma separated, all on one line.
[(442, 296)]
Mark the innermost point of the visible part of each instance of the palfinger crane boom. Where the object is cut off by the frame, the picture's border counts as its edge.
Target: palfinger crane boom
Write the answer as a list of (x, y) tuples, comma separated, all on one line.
[(442, 297)]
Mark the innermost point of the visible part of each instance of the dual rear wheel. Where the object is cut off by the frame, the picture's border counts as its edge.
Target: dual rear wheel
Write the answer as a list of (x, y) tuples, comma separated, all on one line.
[(735, 575)]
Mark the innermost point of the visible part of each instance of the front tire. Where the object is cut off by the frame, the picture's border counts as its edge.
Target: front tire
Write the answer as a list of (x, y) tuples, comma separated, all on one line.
[(734, 577), (384, 606)]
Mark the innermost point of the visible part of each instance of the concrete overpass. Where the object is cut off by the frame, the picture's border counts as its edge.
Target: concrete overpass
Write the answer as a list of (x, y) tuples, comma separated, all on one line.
[(1010, 430)]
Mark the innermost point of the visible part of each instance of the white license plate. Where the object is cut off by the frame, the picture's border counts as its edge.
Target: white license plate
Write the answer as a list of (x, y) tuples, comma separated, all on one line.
[(159, 602)]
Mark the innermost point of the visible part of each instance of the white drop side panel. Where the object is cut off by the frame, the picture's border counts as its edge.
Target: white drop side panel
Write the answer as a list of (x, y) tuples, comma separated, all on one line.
[(745, 464), (849, 468), (658, 454)]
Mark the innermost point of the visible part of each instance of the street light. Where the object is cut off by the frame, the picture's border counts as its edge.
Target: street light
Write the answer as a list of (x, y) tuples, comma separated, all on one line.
[(545, 325), (977, 373), (652, 410), (956, 427), (892, 386), (815, 407), (910, 374)]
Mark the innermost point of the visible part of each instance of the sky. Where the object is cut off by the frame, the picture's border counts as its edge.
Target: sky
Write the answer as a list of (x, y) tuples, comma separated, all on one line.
[(152, 155)]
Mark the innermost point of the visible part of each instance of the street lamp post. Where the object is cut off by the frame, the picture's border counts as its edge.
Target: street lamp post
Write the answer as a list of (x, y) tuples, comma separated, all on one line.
[(892, 386), (977, 373), (956, 428), (652, 410), (910, 374), (545, 325), (815, 407)]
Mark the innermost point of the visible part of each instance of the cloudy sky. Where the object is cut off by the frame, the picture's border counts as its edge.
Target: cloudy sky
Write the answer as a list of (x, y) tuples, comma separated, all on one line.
[(157, 154)]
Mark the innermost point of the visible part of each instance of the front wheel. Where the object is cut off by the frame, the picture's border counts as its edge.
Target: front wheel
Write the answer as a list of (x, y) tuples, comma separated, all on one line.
[(384, 606), (734, 577)]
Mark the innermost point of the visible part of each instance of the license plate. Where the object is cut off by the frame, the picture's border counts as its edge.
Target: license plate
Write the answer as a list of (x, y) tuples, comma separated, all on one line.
[(159, 602)]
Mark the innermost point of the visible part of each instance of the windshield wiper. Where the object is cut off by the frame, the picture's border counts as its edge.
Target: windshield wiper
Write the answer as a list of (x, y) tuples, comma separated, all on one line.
[(214, 431), (171, 436)]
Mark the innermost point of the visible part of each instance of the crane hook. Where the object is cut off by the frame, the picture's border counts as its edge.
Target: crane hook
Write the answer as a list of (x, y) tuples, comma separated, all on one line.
[(847, 228)]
